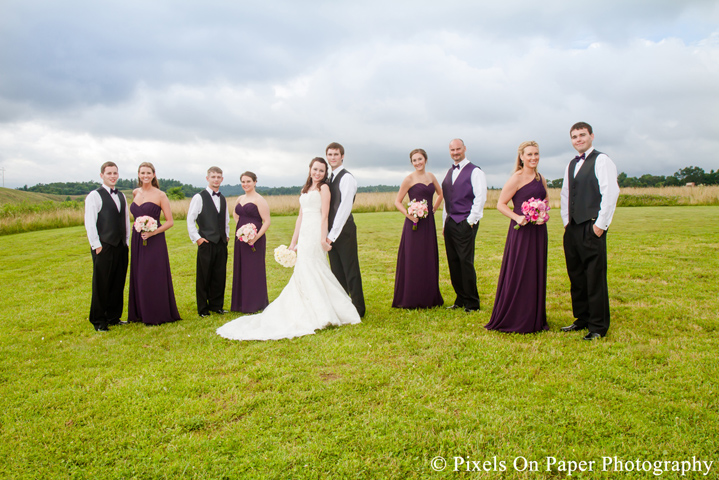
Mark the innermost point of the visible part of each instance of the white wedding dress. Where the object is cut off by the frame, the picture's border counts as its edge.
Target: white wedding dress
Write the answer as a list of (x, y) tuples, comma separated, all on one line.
[(313, 298)]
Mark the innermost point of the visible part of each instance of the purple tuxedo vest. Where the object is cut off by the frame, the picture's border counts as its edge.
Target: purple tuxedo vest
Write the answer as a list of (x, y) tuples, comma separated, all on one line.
[(458, 198)]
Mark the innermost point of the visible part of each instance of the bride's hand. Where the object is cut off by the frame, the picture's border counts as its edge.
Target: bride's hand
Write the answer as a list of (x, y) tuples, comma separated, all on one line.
[(292, 247), (326, 246)]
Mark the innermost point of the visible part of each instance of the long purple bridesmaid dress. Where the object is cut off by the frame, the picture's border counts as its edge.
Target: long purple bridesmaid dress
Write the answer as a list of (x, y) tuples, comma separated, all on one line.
[(416, 281), (249, 277), (152, 298), (520, 302)]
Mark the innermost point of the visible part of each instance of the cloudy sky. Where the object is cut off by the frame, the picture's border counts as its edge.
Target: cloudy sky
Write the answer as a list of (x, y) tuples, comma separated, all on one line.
[(265, 85)]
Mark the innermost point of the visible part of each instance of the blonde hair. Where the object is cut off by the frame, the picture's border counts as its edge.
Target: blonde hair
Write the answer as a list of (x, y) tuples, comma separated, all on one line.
[(214, 170), (519, 164)]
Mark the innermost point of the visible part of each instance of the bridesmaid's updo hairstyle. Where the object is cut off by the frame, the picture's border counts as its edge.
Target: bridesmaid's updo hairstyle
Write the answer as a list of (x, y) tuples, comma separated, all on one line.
[(249, 174), (154, 179), (420, 151), (308, 183), (520, 150)]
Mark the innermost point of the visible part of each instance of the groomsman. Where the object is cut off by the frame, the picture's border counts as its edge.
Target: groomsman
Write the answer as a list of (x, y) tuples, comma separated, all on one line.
[(107, 222), (342, 235), (211, 234), (589, 198), (465, 193)]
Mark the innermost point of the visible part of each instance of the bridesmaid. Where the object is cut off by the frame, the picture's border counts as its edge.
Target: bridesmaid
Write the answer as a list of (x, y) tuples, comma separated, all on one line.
[(249, 279), (416, 282), (152, 298), (520, 302)]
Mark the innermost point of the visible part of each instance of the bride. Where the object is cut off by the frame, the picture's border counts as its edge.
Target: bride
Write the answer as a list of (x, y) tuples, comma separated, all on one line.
[(313, 298)]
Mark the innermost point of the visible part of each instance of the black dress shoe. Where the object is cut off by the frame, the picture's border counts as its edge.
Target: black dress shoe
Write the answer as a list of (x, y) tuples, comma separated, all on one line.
[(221, 311), (452, 307), (117, 322), (470, 310), (572, 328), (102, 329), (593, 336), (203, 315)]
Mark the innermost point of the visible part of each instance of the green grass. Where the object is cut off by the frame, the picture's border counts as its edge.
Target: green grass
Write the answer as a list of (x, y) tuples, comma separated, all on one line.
[(375, 400), (9, 195)]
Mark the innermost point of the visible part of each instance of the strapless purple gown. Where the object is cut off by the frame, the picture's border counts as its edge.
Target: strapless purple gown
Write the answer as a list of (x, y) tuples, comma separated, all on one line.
[(416, 281), (152, 298), (249, 277), (520, 302)]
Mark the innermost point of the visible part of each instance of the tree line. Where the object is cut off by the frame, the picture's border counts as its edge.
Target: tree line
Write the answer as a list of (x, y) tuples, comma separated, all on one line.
[(174, 188), (178, 190), (683, 176)]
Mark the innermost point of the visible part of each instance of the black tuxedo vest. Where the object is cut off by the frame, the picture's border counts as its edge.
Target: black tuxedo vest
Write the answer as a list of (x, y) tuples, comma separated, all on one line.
[(111, 222), (210, 222), (336, 199), (584, 195)]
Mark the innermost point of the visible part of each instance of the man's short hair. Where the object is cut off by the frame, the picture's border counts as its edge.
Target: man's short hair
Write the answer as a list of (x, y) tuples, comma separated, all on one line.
[(335, 146), (214, 170), (107, 164), (581, 126)]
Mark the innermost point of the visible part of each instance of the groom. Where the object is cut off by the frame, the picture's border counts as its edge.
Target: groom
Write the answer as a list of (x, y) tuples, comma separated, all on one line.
[(107, 222), (588, 200), (342, 230), (465, 193)]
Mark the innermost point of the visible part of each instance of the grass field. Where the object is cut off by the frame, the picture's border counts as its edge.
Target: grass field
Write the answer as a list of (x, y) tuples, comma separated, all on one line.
[(375, 400)]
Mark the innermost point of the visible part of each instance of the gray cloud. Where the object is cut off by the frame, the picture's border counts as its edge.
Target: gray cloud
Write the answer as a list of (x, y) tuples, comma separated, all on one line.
[(188, 84)]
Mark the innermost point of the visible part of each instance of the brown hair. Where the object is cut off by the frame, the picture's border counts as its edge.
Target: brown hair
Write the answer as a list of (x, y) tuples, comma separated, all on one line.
[(335, 146), (308, 183), (215, 170), (580, 126), (418, 150), (107, 164), (151, 167), (249, 174), (519, 164)]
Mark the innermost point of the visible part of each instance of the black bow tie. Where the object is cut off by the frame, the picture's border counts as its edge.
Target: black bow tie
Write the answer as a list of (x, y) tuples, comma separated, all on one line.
[(217, 194), (113, 190), (455, 167), (579, 157)]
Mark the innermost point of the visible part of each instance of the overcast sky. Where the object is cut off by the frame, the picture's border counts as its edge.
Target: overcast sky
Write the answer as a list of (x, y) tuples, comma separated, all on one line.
[(266, 85)]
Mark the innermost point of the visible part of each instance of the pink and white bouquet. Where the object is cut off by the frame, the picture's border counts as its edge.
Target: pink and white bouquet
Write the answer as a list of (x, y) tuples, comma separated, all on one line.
[(535, 211), (145, 224), (247, 233), (285, 257), (417, 210)]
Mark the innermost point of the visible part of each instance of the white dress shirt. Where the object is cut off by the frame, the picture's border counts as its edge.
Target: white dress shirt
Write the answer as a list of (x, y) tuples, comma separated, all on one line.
[(479, 187), (606, 173), (196, 208), (93, 205), (348, 189)]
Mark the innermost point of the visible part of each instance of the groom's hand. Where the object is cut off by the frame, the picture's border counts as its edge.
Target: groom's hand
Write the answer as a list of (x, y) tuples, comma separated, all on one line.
[(98, 250), (329, 242), (201, 240)]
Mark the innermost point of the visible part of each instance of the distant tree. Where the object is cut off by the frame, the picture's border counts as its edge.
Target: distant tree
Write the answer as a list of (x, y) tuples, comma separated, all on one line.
[(175, 193), (690, 174), (557, 183)]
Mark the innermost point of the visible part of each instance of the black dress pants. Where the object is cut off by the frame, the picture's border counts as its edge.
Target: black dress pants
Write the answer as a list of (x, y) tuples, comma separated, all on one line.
[(586, 257), (344, 263), (459, 239), (109, 270), (211, 276)]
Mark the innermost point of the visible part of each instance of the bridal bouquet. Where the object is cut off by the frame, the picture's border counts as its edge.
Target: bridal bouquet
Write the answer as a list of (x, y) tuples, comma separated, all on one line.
[(246, 233), (417, 210), (285, 257), (145, 224), (535, 211)]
